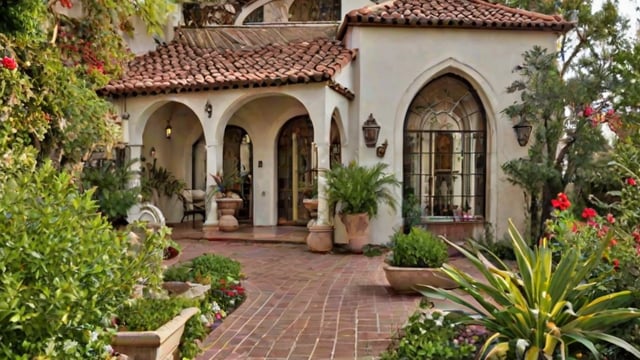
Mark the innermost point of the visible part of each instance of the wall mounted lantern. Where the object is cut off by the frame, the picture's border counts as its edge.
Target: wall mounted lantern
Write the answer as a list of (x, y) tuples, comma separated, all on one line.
[(370, 130), (523, 131), (208, 108), (168, 130), (382, 149)]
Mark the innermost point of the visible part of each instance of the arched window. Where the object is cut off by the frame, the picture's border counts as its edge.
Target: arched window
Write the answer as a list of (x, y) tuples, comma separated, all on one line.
[(445, 150)]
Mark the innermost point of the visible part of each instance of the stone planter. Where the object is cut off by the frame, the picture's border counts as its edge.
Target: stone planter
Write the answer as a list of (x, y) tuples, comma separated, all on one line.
[(357, 227), (161, 344), (404, 279), (320, 238), (227, 208)]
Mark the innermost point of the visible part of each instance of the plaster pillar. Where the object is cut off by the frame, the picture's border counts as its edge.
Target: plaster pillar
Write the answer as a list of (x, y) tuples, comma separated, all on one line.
[(324, 159), (211, 222), (135, 153)]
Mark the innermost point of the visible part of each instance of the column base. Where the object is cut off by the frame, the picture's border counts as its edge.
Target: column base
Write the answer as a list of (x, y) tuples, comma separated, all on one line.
[(210, 231)]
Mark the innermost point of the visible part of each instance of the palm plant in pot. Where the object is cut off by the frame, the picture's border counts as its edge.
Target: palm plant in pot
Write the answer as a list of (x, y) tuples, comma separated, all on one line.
[(415, 260), (359, 191)]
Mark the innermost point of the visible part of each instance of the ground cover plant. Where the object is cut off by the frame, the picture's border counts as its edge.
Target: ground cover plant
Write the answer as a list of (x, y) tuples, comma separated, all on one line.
[(434, 335)]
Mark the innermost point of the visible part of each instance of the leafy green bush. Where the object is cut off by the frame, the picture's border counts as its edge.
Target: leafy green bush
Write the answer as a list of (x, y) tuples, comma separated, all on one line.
[(204, 269), (431, 335), (111, 180), (360, 189), (63, 269), (418, 248)]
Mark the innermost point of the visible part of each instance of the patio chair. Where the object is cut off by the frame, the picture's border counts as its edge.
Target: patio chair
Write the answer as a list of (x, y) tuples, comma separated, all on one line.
[(193, 203)]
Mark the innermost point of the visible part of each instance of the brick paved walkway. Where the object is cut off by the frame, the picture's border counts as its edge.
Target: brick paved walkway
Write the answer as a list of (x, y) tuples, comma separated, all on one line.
[(304, 306)]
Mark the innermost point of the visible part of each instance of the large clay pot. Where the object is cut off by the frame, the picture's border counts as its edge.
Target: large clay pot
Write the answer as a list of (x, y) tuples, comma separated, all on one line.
[(357, 227), (320, 238), (404, 279), (228, 207)]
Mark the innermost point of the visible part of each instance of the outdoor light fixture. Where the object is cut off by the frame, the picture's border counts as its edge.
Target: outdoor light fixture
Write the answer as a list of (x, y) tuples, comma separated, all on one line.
[(152, 152), (168, 130), (370, 130), (523, 131), (208, 108), (125, 115), (382, 149)]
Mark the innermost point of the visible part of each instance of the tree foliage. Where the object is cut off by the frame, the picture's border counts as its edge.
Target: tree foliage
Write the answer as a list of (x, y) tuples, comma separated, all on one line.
[(49, 101), (568, 96)]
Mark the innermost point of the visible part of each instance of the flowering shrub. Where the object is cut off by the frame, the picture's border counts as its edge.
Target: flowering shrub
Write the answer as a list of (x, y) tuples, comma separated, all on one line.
[(435, 335)]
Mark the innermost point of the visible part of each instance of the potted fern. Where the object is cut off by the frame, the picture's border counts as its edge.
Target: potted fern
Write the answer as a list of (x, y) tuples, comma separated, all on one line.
[(359, 190), (416, 259)]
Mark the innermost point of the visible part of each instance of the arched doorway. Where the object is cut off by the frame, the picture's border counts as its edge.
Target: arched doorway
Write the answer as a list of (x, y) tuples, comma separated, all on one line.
[(296, 170), (237, 168), (445, 150)]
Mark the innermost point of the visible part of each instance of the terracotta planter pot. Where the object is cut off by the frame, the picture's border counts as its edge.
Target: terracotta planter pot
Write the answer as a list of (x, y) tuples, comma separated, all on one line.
[(320, 238), (227, 208), (357, 227), (161, 344), (404, 279)]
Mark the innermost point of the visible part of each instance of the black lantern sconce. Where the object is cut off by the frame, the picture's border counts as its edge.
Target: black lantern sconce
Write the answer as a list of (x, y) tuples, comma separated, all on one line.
[(523, 131), (125, 115), (370, 130), (208, 108), (168, 130)]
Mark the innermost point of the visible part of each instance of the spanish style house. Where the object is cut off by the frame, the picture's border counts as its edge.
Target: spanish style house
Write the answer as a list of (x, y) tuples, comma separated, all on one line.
[(283, 89)]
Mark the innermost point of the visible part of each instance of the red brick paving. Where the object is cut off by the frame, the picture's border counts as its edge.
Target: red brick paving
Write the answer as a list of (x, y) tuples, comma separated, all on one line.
[(302, 305)]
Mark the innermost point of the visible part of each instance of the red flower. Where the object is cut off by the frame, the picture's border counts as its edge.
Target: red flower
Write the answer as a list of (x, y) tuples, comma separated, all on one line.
[(636, 236), (589, 213), (631, 181), (66, 3), (616, 264), (9, 63), (574, 228), (613, 242), (561, 202), (588, 111), (610, 218)]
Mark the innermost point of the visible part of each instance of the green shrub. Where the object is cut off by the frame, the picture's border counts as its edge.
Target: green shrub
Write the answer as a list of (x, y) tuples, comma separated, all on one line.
[(436, 336), (204, 269), (63, 269), (418, 248), (110, 180)]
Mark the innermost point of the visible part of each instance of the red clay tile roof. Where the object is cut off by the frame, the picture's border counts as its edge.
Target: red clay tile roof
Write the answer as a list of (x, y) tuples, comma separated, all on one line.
[(178, 67), (452, 13)]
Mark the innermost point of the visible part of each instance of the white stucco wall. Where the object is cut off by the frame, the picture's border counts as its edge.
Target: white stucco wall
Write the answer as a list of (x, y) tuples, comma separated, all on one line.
[(395, 63)]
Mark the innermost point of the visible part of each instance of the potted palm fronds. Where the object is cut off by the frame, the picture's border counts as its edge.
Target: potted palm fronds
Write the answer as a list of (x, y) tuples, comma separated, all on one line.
[(359, 191)]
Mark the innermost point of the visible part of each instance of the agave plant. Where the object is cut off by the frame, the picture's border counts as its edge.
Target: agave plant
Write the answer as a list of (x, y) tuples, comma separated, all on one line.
[(360, 189), (543, 308)]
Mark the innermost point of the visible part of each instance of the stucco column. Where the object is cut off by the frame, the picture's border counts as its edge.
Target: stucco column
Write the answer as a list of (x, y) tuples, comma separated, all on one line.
[(211, 221), (323, 165), (135, 152)]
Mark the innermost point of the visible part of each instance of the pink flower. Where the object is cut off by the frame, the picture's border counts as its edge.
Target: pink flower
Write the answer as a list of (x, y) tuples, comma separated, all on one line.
[(610, 218), (9, 63), (613, 242), (589, 213), (616, 264), (631, 182)]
